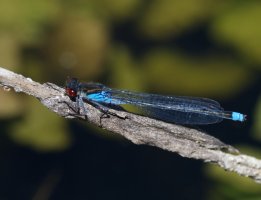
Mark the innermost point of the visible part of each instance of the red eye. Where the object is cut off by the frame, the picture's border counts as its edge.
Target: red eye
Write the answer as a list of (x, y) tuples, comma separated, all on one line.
[(70, 92)]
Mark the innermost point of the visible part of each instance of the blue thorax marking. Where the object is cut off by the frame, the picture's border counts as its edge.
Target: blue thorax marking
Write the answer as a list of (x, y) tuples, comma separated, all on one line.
[(103, 97)]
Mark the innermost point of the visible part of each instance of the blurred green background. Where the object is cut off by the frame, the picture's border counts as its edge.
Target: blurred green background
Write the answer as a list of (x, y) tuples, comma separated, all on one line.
[(208, 48)]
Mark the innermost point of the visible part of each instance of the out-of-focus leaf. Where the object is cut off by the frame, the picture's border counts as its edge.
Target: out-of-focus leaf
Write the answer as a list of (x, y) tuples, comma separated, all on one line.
[(9, 52), (117, 9), (240, 28), (208, 76), (125, 72), (108, 10), (10, 105), (165, 18), (41, 130), (25, 19), (257, 121), (78, 44)]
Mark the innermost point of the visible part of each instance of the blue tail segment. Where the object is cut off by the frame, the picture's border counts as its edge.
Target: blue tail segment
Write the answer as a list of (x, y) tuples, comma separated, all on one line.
[(238, 117)]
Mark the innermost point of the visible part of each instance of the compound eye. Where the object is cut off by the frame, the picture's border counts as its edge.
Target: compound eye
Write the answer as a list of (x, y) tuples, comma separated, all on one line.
[(70, 92)]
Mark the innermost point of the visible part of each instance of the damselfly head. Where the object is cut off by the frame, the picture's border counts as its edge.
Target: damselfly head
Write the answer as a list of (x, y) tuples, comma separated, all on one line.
[(71, 88)]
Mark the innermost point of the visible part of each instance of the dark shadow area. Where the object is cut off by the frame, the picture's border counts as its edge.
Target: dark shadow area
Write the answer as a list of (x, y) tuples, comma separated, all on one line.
[(98, 168)]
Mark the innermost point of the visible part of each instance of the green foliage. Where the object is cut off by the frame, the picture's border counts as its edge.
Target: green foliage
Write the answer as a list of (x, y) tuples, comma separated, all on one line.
[(25, 19), (78, 44), (126, 72), (165, 18), (213, 76), (257, 120), (240, 28), (41, 129)]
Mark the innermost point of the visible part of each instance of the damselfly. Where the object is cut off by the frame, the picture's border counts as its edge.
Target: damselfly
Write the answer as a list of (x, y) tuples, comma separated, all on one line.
[(174, 109)]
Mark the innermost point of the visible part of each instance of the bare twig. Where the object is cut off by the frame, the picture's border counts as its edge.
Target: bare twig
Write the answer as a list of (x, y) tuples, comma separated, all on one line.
[(187, 142)]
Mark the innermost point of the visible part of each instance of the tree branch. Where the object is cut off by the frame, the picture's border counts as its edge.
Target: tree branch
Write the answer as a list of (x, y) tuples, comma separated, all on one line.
[(187, 142)]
